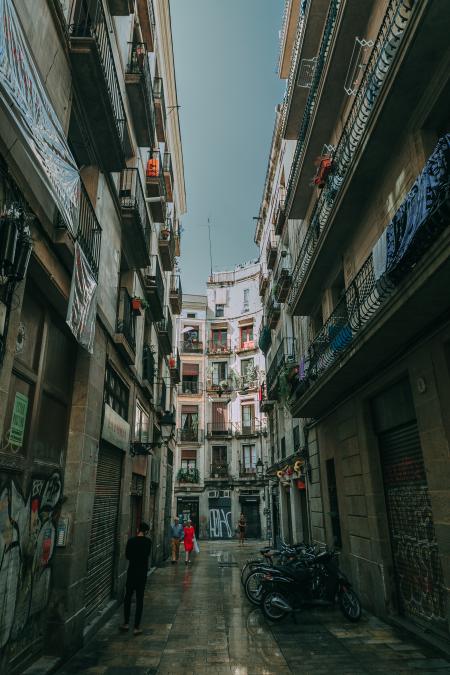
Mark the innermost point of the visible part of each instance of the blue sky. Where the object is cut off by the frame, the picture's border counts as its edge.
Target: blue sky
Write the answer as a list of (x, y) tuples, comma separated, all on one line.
[(225, 60)]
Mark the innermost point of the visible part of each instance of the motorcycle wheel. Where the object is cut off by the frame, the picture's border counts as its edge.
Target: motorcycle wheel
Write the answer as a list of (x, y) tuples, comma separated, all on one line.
[(270, 611), (247, 569), (253, 589), (350, 604)]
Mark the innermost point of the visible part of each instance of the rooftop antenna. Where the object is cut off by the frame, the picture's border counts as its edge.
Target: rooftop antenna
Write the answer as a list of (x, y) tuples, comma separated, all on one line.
[(210, 247)]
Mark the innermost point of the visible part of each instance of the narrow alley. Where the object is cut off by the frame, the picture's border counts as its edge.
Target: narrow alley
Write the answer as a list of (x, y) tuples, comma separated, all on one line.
[(197, 620)]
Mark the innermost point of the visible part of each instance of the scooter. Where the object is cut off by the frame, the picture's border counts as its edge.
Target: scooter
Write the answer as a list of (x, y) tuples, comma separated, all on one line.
[(321, 583)]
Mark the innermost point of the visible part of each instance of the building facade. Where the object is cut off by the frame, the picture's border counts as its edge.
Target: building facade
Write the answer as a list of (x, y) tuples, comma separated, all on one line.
[(354, 241), (222, 435), (91, 192)]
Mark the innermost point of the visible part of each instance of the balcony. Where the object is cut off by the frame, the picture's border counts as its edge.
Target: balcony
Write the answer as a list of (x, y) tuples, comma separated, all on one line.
[(246, 346), (148, 368), (191, 387), (175, 294), (219, 471), (263, 281), (168, 175), (219, 347), (383, 311), (160, 109), (166, 245), (326, 95), (279, 219), (247, 383), (147, 22), (177, 236), (156, 186), (121, 7), (188, 476), (89, 234), (283, 277), (271, 251), (265, 339), (273, 312), (125, 335), (219, 386), (154, 288), (285, 358), (359, 143), (189, 346), (215, 430), (138, 82), (190, 435), (164, 330), (175, 367), (161, 396), (94, 72), (135, 222), (249, 430), (247, 471)]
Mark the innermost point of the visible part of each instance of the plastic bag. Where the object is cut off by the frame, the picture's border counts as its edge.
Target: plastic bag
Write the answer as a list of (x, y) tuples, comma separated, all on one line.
[(196, 546)]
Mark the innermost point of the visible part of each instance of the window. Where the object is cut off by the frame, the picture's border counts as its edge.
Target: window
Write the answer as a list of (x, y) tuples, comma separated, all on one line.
[(116, 393), (283, 447), (219, 339), (191, 339), (249, 458), (189, 378), (296, 437), (248, 418), (187, 464), (191, 315), (141, 424), (220, 311), (219, 464), (247, 368), (219, 372), (247, 337), (246, 305), (189, 423)]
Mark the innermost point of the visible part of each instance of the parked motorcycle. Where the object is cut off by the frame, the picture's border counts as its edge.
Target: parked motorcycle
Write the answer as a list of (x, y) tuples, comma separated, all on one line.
[(319, 583), (272, 556)]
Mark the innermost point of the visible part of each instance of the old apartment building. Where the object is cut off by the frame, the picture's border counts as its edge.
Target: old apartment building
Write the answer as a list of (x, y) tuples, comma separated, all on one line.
[(221, 433), (91, 195), (354, 242)]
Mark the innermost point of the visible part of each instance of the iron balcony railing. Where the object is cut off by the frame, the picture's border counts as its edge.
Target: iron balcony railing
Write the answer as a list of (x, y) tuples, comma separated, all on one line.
[(245, 383), (155, 173), (89, 20), (166, 236), (190, 435), (247, 471), (273, 311), (175, 285), (164, 328), (168, 175), (219, 384), (138, 64), (382, 57), (132, 197), (286, 355), (161, 394), (125, 318), (219, 430), (188, 476), (148, 364), (271, 250), (295, 60), (219, 470), (222, 346), (190, 346), (154, 272), (265, 338), (251, 428), (158, 90), (191, 387)]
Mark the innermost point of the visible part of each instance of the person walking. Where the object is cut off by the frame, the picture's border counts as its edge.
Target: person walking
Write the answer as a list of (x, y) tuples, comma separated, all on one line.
[(176, 534), (189, 534), (241, 527), (137, 553)]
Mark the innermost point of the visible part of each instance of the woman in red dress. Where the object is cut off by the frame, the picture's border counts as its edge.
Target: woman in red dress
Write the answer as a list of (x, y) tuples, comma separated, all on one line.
[(189, 534)]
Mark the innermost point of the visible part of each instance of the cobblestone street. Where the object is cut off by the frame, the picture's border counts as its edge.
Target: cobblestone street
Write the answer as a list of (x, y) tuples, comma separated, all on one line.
[(197, 620)]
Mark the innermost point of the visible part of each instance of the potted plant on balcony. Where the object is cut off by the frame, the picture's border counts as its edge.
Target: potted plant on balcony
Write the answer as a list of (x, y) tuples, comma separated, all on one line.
[(138, 305), (324, 165)]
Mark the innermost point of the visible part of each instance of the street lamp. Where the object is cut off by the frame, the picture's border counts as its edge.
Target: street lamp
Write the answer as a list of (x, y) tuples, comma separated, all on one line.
[(165, 436), (259, 468)]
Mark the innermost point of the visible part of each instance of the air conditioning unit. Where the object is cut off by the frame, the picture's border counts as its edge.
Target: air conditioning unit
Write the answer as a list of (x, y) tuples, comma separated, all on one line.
[(225, 493), (212, 494)]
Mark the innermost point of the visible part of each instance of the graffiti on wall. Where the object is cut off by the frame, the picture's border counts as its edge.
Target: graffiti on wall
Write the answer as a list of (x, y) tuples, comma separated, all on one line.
[(27, 540), (220, 518)]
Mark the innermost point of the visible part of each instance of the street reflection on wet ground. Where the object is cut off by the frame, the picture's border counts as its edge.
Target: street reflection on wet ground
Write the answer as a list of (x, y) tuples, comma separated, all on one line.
[(197, 620)]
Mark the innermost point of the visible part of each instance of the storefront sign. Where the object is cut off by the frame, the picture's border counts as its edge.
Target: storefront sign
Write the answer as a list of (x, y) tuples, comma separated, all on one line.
[(115, 429), (18, 421)]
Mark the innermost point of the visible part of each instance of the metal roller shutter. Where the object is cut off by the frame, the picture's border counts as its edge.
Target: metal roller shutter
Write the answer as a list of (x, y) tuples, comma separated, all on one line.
[(102, 545), (420, 586)]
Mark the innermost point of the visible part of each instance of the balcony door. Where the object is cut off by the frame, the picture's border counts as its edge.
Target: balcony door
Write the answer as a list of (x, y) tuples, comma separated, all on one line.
[(219, 459), (220, 416), (189, 423), (219, 373), (248, 418), (189, 378), (246, 337), (249, 459), (219, 339)]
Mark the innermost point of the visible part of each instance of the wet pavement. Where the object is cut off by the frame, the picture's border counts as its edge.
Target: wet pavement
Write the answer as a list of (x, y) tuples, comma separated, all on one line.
[(197, 620)]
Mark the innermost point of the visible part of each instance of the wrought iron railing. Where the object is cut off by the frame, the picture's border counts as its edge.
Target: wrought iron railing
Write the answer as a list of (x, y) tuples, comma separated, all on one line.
[(138, 65), (148, 364), (296, 50), (131, 196), (191, 387), (285, 355), (219, 430), (265, 339), (166, 234), (247, 471), (222, 346), (158, 92), (192, 346), (219, 470), (175, 286), (89, 233), (395, 22), (154, 272), (165, 327), (189, 435), (125, 318), (88, 20), (311, 102), (188, 476), (167, 165)]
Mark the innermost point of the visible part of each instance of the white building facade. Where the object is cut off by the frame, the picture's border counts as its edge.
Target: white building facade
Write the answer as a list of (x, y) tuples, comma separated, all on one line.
[(222, 435)]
